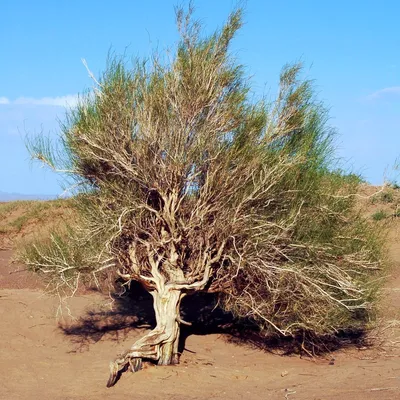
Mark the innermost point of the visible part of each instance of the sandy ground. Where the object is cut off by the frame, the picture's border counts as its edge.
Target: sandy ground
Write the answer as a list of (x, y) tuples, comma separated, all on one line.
[(38, 360)]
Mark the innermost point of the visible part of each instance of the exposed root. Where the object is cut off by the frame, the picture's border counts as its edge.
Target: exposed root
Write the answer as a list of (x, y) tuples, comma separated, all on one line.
[(132, 360), (120, 364), (160, 344), (135, 364)]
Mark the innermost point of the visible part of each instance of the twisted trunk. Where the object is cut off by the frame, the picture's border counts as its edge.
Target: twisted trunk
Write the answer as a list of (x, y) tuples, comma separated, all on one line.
[(167, 310), (160, 344)]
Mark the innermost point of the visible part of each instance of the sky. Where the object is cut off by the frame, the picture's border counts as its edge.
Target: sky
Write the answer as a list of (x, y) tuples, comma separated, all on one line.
[(350, 48)]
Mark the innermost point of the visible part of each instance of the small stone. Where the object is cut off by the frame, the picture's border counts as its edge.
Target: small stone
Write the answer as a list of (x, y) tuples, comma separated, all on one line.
[(284, 373)]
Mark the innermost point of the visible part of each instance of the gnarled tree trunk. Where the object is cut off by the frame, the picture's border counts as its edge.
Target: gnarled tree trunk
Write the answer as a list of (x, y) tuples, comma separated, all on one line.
[(167, 310), (160, 344)]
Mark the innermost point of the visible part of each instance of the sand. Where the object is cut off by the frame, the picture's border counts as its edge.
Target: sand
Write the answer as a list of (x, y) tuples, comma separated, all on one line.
[(39, 360)]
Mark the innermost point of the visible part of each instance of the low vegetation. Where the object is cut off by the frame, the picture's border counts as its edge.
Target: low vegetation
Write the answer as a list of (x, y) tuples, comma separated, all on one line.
[(379, 215), (385, 204), (28, 218)]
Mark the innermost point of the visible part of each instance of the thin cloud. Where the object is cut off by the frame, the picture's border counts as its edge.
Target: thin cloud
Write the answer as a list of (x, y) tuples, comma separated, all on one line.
[(60, 101), (389, 91)]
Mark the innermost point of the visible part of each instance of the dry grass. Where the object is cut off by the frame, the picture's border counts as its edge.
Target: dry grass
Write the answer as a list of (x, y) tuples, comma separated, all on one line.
[(27, 219)]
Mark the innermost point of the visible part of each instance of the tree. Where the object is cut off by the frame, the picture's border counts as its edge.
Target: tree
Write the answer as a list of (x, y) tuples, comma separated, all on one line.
[(187, 185)]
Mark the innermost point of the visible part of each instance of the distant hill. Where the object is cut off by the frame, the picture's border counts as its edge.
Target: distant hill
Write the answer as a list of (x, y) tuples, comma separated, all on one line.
[(18, 196), (32, 218)]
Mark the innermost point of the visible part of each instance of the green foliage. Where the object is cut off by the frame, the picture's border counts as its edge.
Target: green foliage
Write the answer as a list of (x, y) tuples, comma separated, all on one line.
[(384, 197), (379, 215), (387, 197)]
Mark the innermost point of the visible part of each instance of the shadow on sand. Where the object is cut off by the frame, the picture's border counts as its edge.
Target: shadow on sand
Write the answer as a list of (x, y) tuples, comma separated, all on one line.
[(134, 311)]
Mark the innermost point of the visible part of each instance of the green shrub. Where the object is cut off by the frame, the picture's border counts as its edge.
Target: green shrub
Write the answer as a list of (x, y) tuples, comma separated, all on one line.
[(379, 215), (190, 185)]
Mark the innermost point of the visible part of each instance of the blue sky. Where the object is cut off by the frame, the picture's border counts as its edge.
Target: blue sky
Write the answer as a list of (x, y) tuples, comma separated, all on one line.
[(350, 48)]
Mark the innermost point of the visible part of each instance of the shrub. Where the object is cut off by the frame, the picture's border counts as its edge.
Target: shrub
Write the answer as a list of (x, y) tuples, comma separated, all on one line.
[(187, 185), (379, 215)]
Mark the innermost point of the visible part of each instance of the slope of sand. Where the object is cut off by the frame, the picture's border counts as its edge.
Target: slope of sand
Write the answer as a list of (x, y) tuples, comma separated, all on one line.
[(38, 360)]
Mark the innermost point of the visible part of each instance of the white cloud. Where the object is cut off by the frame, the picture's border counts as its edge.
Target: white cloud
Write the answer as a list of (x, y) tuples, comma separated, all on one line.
[(389, 91), (60, 101)]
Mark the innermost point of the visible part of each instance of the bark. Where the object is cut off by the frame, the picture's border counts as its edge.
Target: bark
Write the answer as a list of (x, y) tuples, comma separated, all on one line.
[(160, 344), (167, 316)]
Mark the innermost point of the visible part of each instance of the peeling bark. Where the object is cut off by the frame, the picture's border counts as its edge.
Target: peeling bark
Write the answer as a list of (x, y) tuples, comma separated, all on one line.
[(160, 344)]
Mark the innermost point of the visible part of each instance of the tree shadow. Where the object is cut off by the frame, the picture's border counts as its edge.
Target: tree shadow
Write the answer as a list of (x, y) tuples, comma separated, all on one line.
[(207, 317), (134, 311)]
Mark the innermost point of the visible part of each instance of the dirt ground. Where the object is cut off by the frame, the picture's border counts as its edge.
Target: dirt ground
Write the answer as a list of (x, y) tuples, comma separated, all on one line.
[(39, 360)]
